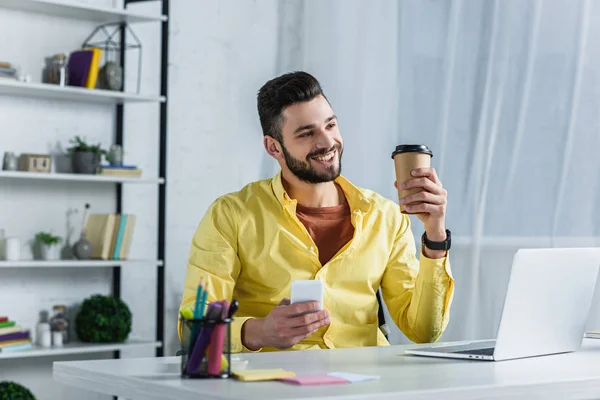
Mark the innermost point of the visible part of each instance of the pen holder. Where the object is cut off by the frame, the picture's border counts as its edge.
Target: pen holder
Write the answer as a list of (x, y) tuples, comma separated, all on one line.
[(205, 348)]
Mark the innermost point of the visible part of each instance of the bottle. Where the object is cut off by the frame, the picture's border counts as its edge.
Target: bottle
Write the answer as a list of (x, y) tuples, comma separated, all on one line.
[(44, 338), (59, 322), (57, 339)]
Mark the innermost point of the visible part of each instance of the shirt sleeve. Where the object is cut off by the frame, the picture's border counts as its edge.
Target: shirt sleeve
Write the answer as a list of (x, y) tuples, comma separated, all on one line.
[(418, 293), (214, 258)]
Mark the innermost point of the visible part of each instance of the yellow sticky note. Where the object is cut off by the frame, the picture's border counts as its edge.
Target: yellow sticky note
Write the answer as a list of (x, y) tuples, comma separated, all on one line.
[(252, 375)]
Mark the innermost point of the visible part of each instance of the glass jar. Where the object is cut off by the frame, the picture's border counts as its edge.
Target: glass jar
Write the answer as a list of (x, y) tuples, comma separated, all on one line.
[(60, 322), (58, 73), (115, 155)]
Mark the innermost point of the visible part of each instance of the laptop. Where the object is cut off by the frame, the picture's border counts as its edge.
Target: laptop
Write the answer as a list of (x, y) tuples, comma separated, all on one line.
[(545, 311)]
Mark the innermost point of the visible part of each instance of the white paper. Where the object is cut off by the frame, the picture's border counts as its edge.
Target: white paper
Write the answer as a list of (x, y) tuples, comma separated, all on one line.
[(354, 378)]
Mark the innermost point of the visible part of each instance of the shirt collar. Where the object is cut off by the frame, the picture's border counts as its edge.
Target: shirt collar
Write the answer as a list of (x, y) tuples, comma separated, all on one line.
[(356, 199)]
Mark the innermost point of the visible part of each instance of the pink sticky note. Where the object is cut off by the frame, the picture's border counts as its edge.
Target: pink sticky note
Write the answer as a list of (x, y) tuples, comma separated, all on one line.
[(320, 379)]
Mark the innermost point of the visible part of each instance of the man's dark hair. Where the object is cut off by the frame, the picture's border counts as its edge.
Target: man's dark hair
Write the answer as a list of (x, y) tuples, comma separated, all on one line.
[(280, 92)]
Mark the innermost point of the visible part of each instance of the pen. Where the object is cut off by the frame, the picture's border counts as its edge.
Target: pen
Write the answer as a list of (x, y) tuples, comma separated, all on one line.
[(197, 311), (233, 308), (217, 340)]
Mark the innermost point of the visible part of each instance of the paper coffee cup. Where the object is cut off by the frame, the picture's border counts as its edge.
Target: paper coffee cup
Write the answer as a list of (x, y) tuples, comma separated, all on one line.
[(408, 157)]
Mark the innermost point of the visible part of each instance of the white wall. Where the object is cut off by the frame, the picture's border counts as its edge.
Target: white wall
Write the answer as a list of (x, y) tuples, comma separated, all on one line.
[(221, 53)]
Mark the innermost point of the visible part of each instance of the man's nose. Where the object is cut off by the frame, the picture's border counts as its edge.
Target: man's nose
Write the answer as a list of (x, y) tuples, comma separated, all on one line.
[(324, 140)]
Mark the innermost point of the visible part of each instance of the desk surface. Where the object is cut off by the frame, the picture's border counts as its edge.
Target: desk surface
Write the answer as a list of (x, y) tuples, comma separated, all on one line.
[(564, 376)]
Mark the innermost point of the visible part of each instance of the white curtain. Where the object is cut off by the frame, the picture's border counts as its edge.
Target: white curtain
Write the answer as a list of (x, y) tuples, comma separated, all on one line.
[(505, 93)]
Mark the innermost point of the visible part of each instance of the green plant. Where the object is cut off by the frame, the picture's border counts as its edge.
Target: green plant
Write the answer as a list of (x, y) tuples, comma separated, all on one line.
[(103, 319), (78, 144), (14, 391), (47, 238)]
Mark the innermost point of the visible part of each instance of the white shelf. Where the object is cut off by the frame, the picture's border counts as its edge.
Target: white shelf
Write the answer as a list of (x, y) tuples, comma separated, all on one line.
[(78, 263), (80, 11), (80, 348), (77, 177), (10, 87)]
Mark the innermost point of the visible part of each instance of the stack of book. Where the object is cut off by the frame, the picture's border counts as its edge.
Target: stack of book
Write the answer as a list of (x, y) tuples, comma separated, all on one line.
[(7, 71), (110, 235), (120, 170), (13, 337)]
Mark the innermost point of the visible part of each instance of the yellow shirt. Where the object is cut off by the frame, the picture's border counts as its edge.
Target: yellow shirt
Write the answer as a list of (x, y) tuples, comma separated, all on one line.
[(250, 246)]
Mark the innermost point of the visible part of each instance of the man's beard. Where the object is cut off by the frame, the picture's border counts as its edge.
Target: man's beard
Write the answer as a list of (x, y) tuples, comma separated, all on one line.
[(304, 171)]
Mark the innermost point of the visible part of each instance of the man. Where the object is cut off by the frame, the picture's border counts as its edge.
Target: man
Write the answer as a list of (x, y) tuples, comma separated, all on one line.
[(309, 222)]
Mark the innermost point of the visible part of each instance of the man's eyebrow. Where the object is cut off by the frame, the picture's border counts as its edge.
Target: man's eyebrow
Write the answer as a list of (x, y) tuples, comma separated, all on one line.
[(310, 126)]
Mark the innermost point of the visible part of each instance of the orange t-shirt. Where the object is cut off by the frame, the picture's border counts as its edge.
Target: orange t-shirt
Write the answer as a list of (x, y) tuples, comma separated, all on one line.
[(330, 228)]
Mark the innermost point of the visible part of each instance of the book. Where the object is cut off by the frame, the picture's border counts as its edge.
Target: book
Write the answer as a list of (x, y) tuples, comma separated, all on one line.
[(112, 166), (14, 342), (92, 77), (7, 324), (79, 67), (3, 319), (592, 335), (14, 336), (119, 238), (16, 347), (131, 172), (99, 232), (126, 244), (10, 329), (113, 237)]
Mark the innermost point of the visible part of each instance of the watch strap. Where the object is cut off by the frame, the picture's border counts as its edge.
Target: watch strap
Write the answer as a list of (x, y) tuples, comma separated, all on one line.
[(431, 245)]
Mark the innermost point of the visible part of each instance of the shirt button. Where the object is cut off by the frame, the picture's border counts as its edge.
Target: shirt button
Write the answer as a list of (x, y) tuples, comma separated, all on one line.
[(311, 249)]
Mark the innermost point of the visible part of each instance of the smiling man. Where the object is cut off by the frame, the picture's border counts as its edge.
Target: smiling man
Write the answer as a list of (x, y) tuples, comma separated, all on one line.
[(309, 222)]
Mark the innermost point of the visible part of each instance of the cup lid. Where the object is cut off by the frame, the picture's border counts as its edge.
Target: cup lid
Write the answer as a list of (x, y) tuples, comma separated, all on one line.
[(412, 148)]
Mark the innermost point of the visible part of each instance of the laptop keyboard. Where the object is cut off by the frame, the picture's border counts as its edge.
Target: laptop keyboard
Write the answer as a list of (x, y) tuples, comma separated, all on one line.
[(484, 352)]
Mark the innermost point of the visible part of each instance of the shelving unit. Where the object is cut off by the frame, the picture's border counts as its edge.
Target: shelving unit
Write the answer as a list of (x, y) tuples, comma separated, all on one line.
[(118, 99), (78, 177), (80, 263), (80, 348), (71, 93), (80, 11)]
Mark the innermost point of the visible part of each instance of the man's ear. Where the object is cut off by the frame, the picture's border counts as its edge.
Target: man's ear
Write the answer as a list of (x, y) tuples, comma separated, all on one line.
[(273, 147)]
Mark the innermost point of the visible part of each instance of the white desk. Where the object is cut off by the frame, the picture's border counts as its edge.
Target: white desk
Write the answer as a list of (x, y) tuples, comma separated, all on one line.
[(566, 376)]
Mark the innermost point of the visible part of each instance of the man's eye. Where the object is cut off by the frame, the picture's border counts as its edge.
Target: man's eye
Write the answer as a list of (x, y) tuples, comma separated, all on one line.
[(306, 134), (331, 125)]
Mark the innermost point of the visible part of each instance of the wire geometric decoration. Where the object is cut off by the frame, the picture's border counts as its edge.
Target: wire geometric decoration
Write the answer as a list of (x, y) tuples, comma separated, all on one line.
[(113, 49)]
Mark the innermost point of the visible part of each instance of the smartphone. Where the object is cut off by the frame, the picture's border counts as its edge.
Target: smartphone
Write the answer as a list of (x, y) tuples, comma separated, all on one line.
[(307, 290)]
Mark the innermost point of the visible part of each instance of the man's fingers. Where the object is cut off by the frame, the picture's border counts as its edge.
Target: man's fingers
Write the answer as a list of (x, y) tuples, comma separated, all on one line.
[(424, 208), (427, 172), (424, 183), (309, 329), (301, 308), (284, 302), (307, 319), (425, 197)]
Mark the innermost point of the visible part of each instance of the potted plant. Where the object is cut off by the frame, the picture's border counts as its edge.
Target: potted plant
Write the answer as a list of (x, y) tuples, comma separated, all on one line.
[(48, 245), (85, 158), (103, 319), (12, 390)]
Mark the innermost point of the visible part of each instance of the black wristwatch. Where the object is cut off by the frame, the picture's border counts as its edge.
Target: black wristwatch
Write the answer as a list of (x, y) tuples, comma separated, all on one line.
[(431, 245)]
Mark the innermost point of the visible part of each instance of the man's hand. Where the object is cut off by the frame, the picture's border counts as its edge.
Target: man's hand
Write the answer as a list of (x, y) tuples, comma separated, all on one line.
[(283, 327), (429, 205)]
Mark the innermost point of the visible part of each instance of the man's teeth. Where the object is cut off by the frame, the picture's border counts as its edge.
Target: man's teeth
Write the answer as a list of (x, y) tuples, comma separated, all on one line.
[(326, 157)]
